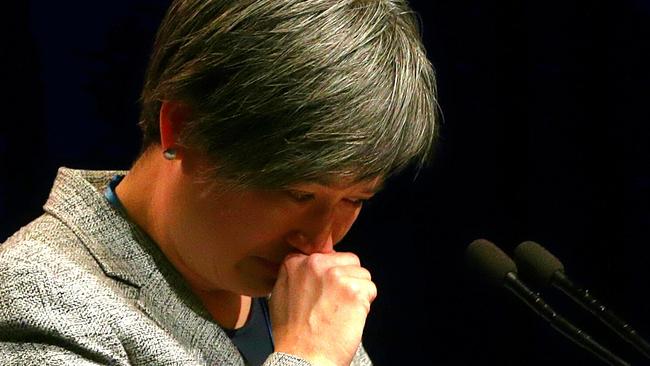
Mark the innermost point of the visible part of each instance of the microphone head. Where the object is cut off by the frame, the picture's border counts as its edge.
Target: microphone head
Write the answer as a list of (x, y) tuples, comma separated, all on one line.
[(537, 263), (489, 261)]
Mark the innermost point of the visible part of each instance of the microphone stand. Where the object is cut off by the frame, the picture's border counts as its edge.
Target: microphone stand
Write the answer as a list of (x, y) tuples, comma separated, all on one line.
[(587, 301), (535, 302)]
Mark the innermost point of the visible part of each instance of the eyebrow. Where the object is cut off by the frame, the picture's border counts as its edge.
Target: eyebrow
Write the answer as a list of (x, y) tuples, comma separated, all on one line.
[(370, 191), (375, 189)]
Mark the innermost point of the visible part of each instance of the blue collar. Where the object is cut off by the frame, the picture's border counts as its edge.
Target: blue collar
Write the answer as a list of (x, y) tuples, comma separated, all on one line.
[(111, 196)]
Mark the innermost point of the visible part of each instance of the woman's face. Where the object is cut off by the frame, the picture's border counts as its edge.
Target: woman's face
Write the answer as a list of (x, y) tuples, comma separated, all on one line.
[(235, 240)]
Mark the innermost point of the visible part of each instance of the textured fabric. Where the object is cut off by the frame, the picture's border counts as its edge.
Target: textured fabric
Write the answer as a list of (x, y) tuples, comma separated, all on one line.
[(82, 286)]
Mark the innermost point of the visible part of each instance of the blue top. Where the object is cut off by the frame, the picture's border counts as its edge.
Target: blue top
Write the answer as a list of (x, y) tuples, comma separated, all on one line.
[(255, 339)]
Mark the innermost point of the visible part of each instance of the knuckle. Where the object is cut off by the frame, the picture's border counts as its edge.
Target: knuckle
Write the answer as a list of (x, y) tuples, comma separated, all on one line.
[(315, 262), (352, 291), (372, 291), (352, 258), (364, 292), (356, 292), (366, 273), (292, 260), (335, 275)]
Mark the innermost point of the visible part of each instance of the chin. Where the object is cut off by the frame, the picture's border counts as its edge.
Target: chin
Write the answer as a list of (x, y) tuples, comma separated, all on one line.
[(261, 288), (257, 277)]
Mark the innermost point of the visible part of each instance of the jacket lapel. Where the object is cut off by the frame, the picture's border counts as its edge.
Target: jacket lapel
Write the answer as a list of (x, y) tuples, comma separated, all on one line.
[(125, 253)]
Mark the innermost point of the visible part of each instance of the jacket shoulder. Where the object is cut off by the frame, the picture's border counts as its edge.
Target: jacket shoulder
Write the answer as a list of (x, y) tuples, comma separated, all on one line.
[(46, 249), (53, 292)]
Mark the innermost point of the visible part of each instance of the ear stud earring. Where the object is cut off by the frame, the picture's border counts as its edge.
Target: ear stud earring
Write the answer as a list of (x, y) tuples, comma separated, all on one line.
[(170, 154)]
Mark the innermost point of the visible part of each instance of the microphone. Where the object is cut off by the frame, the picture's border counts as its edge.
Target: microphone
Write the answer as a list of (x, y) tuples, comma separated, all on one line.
[(545, 269), (496, 267)]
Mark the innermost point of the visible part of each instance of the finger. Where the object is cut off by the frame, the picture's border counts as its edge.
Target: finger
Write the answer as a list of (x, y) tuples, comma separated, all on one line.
[(345, 258), (327, 260), (292, 261), (351, 271), (318, 263), (356, 290)]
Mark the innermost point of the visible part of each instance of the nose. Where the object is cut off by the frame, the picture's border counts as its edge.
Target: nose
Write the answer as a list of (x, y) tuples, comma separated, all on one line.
[(315, 233)]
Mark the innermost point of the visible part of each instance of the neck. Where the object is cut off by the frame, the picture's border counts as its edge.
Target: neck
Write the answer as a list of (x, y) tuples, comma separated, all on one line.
[(144, 193), (230, 312)]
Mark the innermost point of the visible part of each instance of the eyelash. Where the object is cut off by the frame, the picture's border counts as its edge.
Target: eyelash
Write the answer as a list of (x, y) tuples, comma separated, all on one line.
[(300, 196), (358, 202), (305, 197)]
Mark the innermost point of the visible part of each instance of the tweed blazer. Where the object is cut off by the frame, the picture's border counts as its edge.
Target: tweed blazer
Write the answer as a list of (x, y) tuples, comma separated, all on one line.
[(81, 285)]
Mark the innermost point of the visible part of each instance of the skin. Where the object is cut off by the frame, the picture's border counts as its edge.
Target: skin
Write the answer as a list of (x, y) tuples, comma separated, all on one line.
[(231, 245)]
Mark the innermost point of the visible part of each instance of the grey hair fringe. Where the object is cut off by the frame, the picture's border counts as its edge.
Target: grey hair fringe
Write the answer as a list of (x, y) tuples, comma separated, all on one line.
[(292, 91)]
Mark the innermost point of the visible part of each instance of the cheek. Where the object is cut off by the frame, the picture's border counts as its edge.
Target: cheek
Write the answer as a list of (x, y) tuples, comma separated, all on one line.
[(343, 223), (204, 227), (247, 224)]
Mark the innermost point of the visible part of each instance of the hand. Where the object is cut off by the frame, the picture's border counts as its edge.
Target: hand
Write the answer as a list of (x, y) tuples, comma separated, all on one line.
[(319, 307)]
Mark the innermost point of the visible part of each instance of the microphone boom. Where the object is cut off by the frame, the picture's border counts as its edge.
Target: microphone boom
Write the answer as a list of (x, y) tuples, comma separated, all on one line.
[(494, 265), (538, 263)]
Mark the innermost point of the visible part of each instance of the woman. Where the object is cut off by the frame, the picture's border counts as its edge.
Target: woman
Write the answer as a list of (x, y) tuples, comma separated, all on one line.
[(266, 125)]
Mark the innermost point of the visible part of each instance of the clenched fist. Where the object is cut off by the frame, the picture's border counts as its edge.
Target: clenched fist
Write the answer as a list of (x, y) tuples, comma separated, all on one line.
[(319, 307)]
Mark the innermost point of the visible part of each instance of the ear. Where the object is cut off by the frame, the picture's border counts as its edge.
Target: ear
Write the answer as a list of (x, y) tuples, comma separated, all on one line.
[(173, 116)]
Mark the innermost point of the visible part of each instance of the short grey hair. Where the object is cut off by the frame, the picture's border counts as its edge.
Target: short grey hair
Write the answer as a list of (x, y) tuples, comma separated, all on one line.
[(288, 91)]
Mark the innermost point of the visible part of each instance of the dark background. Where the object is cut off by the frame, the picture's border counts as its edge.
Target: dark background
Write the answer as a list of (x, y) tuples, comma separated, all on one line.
[(545, 137)]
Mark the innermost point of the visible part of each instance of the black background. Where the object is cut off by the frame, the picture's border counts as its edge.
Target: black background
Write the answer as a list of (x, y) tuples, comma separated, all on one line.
[(545, 137)]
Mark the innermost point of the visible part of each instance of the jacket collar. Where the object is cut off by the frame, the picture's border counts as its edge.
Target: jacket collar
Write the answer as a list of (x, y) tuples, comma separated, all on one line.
[(127, 254), (77, 200)]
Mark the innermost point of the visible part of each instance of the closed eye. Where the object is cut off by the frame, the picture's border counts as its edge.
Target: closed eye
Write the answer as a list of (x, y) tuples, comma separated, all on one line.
[(300, 196), (357, 202)]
